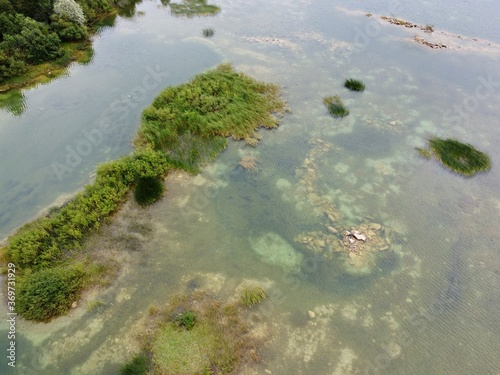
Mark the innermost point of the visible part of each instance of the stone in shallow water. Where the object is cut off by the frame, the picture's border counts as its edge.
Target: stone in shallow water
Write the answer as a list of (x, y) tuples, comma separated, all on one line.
[(274, 250)]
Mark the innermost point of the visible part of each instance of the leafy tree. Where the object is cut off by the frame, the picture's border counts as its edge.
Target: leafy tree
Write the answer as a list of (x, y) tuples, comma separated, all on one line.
[(67, 30), (70, 10), (34, 44), (39, 10), (10, 67), (11, 23)]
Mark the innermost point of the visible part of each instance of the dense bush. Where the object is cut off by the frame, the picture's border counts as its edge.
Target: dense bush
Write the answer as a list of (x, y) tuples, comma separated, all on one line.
[(148, 190), (49, 292), (34, 44), (10, 67), (92, 9), (67, 30)]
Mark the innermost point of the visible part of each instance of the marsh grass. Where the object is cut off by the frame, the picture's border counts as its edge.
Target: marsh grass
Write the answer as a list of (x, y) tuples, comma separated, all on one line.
[(335, 106), (354, 85), (190, 122), (459, 157), (218, 342), (192, 8), (253, 295), (95, 305)]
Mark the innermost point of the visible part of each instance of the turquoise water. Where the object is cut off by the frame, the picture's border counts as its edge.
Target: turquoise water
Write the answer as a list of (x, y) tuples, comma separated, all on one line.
[(427, 305)]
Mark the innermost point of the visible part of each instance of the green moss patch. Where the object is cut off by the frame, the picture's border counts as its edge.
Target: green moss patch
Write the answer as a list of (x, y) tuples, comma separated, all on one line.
[(354, 85), (253, 295), (335, 106), (459, 157)]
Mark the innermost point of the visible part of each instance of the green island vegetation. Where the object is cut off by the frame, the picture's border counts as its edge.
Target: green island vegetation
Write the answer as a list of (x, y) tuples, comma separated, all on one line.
[(253, 295), (335, 106), (39, 39), (184, 127), (195, 334), (459, 157), (192, 8), (354, 85)]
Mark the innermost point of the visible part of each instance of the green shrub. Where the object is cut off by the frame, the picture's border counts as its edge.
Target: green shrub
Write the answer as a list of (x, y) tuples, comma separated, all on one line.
[(49, 292), (335, 106), (186, 320), (148, 190), (67, 30), (139, 365), (354, 85)]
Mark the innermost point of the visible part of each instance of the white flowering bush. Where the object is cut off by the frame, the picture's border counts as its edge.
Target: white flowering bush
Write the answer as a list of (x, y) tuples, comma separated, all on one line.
[(70, 10)]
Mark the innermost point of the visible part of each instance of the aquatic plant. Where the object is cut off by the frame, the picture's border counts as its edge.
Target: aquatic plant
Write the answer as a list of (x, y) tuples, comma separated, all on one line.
[(248, 162), (424, 152), (253, 295), (95, 305), (186, 320), (208, 32), (190, 122), (192, 8), (138, 365), (460, 157), (428, 28), (148, 190), (335, 106), (354, 85)]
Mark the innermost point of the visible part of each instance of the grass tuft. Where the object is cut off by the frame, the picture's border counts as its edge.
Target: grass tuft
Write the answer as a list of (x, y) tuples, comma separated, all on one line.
[(354, 85), (192, 8), (252, 296), (335, 106), (138, 365), (459, 157)]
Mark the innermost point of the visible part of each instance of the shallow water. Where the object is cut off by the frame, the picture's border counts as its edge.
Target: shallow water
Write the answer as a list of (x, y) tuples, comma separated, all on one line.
[(428, 306)]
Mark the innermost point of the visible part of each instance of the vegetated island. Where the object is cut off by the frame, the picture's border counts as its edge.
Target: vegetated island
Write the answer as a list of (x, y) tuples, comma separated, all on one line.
[(192, 8), (39, 39), (185, 127), (459, 157), (196, 333)]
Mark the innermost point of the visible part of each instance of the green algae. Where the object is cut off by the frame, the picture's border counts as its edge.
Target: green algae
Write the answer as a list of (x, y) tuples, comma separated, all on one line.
[(192, 8), (354, 85)]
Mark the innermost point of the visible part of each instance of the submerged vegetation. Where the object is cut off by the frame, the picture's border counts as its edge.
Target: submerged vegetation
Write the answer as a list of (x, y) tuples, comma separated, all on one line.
[(185, 126), (354, 85), (214, 338), (335, 106), (460, 157), (192, 8), (208, 32), (253, 295)]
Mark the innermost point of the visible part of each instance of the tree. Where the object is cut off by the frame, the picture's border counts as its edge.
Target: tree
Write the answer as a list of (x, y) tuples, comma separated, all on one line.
[(70, 10)]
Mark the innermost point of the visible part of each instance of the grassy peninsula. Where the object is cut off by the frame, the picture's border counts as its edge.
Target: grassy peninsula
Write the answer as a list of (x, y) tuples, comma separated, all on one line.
[(184, 127)]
